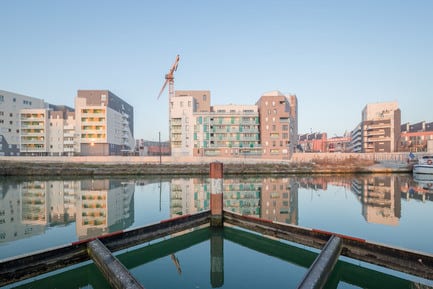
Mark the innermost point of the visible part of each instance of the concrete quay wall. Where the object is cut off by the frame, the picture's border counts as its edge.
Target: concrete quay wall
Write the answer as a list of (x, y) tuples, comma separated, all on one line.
[(151, 165)]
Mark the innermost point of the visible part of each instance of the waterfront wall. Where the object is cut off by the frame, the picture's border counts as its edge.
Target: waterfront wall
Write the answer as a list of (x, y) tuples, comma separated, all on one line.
[(155, 165), (296, 158)]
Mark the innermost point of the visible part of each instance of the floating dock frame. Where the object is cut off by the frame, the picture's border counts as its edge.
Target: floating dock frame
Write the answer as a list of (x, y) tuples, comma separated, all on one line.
[(31, 265)]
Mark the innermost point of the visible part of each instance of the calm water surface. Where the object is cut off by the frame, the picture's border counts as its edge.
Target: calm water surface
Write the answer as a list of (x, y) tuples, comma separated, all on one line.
[(38, 214)]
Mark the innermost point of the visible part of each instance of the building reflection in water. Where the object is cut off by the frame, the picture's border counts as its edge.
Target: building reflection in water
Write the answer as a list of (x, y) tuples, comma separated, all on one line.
[(269, 198), (104, 206), (101, 206), (380, 196), (96, 206)]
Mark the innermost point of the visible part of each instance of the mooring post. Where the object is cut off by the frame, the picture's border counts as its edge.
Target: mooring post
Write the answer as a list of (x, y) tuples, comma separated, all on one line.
[(216, 196)]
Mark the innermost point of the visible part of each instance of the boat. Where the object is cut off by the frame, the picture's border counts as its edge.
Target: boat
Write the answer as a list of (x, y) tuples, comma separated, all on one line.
[(424, 166)]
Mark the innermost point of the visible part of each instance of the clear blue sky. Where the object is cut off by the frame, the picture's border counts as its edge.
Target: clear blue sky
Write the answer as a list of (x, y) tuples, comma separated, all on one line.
[(336, 56)]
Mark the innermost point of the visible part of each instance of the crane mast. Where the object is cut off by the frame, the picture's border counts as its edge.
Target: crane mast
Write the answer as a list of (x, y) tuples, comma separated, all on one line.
[(169, 79)]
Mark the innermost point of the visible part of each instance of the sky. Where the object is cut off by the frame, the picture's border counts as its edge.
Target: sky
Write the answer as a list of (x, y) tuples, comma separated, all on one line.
[(336, 56)]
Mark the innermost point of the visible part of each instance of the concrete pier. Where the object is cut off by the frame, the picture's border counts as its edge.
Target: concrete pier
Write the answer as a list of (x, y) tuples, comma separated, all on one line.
[(318, 274), (216, 173), (116, 274)]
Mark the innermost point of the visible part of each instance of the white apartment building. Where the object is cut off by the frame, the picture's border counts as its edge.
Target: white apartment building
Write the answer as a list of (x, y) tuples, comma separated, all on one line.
[(48, 131), (182, 119), (104, 123), (10, 106), (356, 139), (61, 132)]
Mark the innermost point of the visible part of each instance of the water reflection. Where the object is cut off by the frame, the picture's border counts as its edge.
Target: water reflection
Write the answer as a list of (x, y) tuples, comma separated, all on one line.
[(99, 206), (95, 206)]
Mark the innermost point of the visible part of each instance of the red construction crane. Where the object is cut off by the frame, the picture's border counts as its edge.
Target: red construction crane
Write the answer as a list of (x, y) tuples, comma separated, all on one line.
[(169, 78)]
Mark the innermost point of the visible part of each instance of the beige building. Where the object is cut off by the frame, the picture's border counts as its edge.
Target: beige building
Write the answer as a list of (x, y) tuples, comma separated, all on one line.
[(381, 127), (34, 133), (199, 129), (104, 123)]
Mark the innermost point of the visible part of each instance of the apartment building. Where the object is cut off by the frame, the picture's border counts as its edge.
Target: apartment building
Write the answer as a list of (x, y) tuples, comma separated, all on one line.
[(381, 127), (104, 123), (10, 106), (227, 130), (61, 131), (199, 129), (48, 131), (34, 133), (415, 137), (278, 124), (356, 139)]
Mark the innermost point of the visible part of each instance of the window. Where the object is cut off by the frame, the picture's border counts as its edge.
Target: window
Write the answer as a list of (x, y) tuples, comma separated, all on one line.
[(204, 97), (2, 98)]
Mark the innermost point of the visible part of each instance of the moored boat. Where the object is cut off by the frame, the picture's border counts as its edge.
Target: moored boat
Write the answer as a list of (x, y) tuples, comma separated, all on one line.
[(424, 165)]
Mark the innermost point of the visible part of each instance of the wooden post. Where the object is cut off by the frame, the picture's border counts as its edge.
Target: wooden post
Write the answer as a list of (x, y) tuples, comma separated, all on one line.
[(216, 196)]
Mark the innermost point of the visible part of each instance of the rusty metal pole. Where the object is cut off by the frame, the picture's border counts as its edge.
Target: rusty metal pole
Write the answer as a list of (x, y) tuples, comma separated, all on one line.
[(216, 196)]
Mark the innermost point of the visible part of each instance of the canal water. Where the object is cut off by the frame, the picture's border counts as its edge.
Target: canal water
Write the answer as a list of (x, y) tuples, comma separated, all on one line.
[(394, 209)]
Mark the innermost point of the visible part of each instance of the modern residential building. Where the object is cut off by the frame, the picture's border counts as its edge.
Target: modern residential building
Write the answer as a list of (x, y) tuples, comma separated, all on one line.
[(415, 137), (228, 130), (48, 131), (278, 124), (104, 123), (183, 106), (34, 133), (199, 129), (10, 106), (356, 139), (381, 127)]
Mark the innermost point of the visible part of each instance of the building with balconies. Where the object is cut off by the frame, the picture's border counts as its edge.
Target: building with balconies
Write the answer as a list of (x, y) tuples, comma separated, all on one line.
[(278, 124), (381, 127), (33, 131), (47, 131), (227, 130), (199, 129), (10, 106), (104, 123)]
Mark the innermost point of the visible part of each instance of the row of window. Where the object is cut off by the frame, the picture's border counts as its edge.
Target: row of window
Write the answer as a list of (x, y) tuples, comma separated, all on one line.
[(25, 102)]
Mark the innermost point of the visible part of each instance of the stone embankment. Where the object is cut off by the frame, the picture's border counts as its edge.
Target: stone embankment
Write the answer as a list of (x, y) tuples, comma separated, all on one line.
[(118, 165)]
